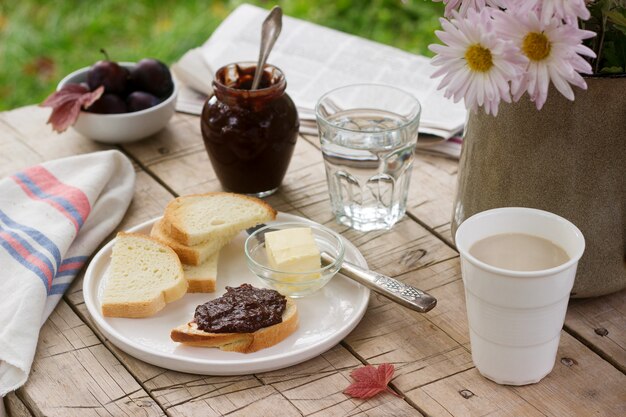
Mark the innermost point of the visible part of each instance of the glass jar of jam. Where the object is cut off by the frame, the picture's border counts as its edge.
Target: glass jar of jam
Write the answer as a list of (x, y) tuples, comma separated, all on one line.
[(249, 135)]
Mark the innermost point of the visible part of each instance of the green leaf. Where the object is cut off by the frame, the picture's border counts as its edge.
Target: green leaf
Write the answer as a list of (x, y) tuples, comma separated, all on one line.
[(617, 16), (620, 28), (618, 20), (612, 70)]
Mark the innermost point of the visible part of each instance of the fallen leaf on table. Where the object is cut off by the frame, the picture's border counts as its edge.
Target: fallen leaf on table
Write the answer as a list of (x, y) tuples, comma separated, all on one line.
[(369, 381), (67, 102)]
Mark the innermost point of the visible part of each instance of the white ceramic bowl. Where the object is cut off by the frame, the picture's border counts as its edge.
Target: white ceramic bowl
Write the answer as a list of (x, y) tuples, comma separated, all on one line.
[(122, 127)]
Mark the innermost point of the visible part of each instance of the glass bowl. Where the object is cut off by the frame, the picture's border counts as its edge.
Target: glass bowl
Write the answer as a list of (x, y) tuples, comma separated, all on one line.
[(294, 284)]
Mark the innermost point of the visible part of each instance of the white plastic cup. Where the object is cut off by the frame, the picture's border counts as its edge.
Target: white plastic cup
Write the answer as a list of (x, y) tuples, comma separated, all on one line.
[(515, 317)]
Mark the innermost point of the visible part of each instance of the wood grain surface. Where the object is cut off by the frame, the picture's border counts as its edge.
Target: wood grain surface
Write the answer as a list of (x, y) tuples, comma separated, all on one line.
[(78, 372)]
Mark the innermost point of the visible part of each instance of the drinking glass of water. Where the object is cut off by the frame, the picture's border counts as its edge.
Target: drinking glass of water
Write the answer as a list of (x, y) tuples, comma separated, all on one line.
[(368, 134)]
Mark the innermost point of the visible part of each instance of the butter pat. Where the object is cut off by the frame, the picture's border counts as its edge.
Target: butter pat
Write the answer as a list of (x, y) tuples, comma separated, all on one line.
[(293, 250)]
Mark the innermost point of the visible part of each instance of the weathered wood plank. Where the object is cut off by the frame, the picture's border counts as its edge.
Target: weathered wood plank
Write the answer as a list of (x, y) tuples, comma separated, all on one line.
[(581, 384), (469, 394), (14, 406), (421, 346), (433, 184), (316, 388), (75, 375), (38, 141), (14, 154), (312, 388), (180, 138), (601, 323)]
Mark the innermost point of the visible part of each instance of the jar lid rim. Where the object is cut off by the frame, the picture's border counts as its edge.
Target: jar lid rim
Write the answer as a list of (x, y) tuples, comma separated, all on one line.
[(278, 79)]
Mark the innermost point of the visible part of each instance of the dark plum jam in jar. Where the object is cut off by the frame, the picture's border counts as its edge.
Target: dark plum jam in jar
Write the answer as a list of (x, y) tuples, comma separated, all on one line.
[(249, 135)]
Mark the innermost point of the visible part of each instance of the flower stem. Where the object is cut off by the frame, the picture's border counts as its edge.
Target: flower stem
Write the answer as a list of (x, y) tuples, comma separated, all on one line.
[(605, 10)]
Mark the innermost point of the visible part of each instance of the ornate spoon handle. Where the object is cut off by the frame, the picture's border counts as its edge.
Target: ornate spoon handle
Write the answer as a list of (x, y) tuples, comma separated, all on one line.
[(397, 291), (270, 30)]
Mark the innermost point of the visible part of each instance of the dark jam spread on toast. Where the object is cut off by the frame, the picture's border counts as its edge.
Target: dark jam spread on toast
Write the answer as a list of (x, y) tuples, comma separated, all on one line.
[(243, 309)]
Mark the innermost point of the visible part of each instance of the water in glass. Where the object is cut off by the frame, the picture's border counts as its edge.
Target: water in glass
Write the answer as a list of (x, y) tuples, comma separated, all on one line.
[(368, 156)]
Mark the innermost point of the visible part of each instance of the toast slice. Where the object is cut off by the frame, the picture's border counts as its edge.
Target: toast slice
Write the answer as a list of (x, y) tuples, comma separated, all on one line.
[(198, 218), (191, 255), (189, 334), (144, 275), (201, 278)]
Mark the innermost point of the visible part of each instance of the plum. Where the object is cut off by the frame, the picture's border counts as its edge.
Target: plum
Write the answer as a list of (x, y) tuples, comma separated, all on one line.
[(152, 76), (110, 74), (140, 100), (108, 104)]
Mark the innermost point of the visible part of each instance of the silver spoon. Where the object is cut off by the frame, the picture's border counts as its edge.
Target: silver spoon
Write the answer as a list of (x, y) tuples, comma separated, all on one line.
[(272, 25), (397, 291)]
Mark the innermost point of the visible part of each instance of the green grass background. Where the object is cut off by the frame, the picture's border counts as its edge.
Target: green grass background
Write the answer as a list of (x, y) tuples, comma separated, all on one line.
[(41, 41)]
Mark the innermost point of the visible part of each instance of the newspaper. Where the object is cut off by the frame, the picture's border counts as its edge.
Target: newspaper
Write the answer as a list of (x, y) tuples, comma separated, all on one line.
[(315, 60)]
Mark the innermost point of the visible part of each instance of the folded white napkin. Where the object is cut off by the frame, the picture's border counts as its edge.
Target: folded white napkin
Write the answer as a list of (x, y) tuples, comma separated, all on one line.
[(52, 217)]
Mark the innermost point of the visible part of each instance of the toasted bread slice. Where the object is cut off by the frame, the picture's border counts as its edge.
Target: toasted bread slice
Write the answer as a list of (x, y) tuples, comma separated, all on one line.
[(189, 334), (144, 275), (198, 218), (201, 278), (191, 255)]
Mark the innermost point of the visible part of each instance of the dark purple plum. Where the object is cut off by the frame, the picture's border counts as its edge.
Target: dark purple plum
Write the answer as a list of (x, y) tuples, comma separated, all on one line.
[(108, 104), (152, 76), (140, 100), (110, 74)]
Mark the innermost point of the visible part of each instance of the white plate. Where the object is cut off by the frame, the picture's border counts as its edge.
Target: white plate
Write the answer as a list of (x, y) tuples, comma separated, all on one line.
[(326, 317)]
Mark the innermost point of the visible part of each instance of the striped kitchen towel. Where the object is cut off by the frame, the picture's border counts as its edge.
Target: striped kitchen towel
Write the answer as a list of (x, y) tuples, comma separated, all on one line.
[(52, 217)]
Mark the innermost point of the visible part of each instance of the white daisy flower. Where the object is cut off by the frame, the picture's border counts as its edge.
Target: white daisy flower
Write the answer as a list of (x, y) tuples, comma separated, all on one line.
[(476, 64), (553, 51)]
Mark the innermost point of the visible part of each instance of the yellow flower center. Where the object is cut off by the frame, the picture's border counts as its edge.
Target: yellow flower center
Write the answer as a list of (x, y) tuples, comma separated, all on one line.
[(536, 46), (478, 58)]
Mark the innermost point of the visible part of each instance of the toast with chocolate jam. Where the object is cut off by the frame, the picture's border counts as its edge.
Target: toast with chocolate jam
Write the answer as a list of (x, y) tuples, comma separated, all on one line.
[(245, 319)]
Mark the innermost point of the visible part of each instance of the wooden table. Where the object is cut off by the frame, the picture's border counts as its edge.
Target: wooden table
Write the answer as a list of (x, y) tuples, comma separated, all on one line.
[(77, 372)]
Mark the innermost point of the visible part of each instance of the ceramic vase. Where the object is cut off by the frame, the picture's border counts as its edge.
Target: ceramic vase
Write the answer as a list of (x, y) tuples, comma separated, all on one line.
[(568, 158)]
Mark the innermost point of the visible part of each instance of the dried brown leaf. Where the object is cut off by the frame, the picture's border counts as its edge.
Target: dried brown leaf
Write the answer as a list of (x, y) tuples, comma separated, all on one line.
[(67, 103), (369, 381)]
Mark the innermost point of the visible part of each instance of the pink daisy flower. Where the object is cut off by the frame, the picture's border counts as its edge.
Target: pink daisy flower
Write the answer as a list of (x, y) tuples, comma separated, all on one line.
[(476, 64), (553, 51), (568, 10)]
